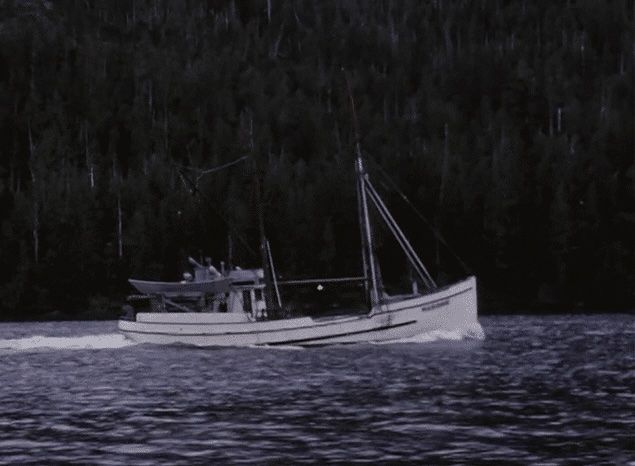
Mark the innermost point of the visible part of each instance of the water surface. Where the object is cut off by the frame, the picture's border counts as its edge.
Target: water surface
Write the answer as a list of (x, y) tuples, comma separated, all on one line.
[(542, 390)]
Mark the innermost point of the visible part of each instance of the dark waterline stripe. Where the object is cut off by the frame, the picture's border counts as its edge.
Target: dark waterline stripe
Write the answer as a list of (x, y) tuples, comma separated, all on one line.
[(306, 340)]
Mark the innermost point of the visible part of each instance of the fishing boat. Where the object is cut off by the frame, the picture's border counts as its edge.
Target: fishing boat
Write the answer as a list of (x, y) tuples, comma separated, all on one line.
[(243, 307)]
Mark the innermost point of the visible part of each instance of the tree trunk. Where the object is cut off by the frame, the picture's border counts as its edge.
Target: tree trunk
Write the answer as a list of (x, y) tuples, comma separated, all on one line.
[(119, 227), (89, 159), (35, 232)]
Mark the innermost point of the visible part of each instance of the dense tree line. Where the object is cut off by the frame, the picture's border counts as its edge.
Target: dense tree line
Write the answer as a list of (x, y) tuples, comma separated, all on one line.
[(509, 124)]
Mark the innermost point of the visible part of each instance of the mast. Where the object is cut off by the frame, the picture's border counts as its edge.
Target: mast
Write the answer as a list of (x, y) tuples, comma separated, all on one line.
[(399, 235), (369, 262), (273, 274), (363, 242), (368, 259), (269, 288)]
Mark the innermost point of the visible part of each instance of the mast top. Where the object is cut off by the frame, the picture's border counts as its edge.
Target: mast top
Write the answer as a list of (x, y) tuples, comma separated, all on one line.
[(359, 163)]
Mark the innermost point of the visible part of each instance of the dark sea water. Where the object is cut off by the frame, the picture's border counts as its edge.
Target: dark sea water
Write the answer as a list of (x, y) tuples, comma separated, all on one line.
[(541, 390)]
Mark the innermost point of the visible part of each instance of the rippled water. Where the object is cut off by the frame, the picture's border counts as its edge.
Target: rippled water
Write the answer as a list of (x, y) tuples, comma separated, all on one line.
[(552, 390)]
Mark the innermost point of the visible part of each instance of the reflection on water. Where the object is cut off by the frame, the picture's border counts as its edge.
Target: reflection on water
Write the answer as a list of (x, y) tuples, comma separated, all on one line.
[(542, 390)]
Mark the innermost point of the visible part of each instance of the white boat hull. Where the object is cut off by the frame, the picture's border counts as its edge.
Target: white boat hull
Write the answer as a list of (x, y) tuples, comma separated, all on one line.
[(449, 309)]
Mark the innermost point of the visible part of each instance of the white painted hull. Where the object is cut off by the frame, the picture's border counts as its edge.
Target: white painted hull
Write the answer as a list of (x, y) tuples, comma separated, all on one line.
[(449, 309)]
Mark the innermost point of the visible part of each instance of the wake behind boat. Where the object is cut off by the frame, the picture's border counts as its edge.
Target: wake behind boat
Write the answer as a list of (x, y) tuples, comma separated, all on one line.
[(243, 307)]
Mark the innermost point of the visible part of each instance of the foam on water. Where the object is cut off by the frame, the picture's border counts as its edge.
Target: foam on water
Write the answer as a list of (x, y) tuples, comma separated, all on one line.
[(474, 332), (36, 342), (279, 347)]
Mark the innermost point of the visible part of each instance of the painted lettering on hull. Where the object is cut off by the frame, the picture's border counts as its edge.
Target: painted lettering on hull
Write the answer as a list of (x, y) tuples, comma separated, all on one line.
[(436, 305)]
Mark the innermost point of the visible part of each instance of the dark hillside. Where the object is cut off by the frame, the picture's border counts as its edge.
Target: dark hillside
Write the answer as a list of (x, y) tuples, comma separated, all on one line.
[(509, 124)]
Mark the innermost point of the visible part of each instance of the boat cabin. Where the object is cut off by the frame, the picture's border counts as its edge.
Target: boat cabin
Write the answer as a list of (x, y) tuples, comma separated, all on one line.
[(246, 292), (234, 291)]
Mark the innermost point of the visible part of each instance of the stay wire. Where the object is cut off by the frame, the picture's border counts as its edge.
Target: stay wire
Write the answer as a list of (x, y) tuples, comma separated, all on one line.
[(429, 224)]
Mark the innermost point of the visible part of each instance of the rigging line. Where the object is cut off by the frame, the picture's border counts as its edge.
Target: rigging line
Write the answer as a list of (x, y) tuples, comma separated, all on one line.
[(205, 171), (388, 218), (309, 281), (432, 228), (403, 241), (416, 267), (193, 187), (200, 173), (220, 167)]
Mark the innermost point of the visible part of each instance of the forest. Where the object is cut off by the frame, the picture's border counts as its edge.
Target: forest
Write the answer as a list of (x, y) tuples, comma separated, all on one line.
[(508, 125)]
